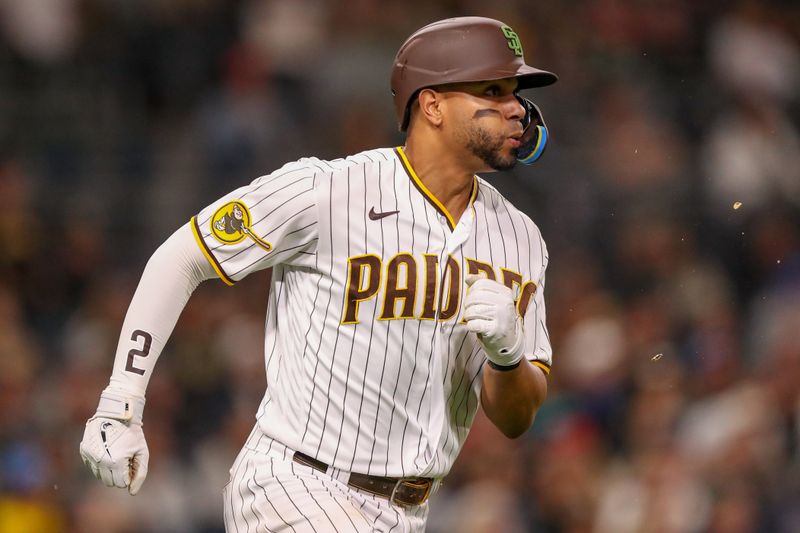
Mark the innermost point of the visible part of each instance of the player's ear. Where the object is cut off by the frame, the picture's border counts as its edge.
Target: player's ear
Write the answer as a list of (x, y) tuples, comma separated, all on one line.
[(430, 106)]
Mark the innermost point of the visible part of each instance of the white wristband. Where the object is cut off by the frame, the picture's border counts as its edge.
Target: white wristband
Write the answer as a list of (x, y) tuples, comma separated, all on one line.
[(120, 405)]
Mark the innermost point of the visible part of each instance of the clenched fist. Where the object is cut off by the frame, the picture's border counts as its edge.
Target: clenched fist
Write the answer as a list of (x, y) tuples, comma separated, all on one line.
[(491, 313), (113, 445)]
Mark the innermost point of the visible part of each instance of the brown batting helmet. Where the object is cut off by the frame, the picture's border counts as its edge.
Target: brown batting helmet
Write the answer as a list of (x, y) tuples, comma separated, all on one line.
[(462, 49)]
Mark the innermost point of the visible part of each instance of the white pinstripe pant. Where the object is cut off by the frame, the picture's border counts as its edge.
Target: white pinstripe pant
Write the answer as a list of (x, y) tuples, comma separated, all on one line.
[(268, 492)]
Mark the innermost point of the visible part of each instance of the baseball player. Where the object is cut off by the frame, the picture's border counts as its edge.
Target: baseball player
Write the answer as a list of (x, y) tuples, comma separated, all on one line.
[(406, 291)]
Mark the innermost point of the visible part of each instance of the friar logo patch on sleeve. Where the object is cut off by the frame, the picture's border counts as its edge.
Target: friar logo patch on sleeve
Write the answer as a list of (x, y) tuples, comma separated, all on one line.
[(231, 225)]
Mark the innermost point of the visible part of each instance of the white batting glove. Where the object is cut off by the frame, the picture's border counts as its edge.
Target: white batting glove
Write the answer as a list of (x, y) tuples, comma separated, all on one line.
[(490, 312), (113, 445)]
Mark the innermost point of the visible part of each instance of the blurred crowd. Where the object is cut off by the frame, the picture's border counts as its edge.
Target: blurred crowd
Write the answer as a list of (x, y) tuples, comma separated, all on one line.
[(669, 199)]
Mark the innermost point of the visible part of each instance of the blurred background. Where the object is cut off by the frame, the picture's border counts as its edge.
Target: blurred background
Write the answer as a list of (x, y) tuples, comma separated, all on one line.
[(669, 199)]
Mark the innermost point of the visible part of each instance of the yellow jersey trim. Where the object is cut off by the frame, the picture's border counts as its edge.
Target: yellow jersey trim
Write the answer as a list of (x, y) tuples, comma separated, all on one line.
[(429, 195), (206, 252), (543, 366)]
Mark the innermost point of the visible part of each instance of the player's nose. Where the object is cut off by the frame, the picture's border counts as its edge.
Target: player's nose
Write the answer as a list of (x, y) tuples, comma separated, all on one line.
[(513, 109)]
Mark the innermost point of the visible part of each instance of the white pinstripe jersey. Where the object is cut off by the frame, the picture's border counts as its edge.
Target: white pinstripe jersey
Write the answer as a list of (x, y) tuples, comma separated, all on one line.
[(369, 365)]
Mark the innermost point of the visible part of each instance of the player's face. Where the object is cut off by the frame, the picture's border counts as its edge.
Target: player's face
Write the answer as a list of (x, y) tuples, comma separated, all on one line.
[(486, 120)]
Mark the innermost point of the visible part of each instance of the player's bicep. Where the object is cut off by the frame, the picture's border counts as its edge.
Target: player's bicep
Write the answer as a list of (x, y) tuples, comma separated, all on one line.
[(271, 221)]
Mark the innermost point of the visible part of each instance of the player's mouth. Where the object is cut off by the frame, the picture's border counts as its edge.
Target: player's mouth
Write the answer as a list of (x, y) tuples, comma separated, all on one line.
[(515, 140)]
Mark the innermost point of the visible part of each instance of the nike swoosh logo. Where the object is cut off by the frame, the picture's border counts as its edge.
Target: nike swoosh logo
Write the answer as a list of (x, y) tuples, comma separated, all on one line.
[(103, 436), (377, 216)]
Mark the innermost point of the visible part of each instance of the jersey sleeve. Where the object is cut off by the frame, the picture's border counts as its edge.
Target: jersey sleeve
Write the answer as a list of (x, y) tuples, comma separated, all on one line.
[(537, 339), (274, 220)]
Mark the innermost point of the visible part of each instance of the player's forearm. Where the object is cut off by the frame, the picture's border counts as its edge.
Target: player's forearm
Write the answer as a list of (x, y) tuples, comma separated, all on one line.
[(172, 274), (511, 398)]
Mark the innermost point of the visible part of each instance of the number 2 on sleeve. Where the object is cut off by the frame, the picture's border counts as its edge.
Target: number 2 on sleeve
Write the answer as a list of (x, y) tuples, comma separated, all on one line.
[(141, 352)]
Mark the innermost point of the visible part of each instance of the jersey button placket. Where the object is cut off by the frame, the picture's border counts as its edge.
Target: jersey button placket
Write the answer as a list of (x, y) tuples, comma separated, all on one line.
[(436, 409)]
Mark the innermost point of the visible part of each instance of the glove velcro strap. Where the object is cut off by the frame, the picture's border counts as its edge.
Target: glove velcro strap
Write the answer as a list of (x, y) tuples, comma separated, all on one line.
[(120, 406)]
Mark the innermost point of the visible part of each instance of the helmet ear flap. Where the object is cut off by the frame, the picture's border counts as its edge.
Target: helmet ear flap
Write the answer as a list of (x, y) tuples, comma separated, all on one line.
[(535, 135)]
